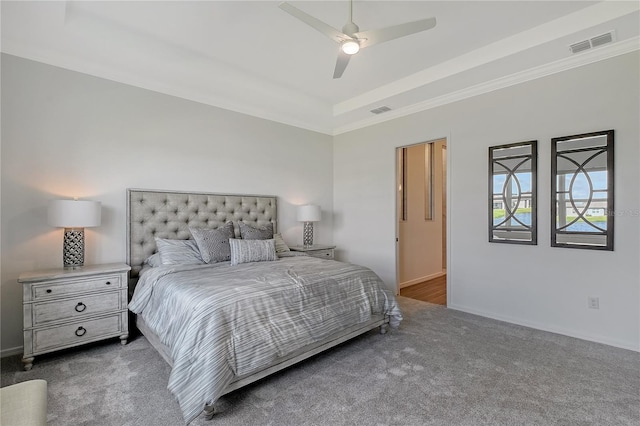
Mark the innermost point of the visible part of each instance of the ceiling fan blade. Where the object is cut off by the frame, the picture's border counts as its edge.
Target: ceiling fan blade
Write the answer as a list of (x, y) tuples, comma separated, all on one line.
[(325, 29), (371, 37), (341, 63)]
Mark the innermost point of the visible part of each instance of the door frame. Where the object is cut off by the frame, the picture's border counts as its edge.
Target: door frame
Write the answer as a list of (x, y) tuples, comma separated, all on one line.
[(447, 192)]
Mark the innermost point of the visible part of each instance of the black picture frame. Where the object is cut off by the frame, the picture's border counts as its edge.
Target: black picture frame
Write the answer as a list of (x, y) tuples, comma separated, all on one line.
[(513, 230), (594, 236)]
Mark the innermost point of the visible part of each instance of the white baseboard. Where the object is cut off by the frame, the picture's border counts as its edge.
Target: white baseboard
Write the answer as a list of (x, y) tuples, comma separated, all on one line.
[(11, 351), (421, 279), (546, 327)]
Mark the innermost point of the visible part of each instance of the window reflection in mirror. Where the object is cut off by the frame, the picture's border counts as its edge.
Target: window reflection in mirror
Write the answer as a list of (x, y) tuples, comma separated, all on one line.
[(512, 193), (582, 191)]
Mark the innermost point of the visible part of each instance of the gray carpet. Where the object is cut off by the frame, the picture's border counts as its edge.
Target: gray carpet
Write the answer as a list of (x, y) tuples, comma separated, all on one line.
[(441, 367)]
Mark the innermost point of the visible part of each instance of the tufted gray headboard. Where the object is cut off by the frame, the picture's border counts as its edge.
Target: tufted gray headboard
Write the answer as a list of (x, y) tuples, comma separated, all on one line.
[(168, 214)]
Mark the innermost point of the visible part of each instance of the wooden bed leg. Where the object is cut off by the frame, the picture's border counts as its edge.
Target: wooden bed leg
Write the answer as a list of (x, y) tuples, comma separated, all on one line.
[(383, 328), (209, 411)]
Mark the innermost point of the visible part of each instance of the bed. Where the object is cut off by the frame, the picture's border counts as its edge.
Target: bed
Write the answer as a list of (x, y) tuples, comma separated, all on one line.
[(224, 324)]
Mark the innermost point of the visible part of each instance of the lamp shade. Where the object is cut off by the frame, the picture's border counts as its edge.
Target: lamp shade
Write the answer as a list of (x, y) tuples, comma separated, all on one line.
[(74, 213), (309, 213)]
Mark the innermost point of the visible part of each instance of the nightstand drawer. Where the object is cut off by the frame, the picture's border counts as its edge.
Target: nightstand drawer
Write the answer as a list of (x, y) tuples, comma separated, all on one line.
[(75, 333), (322, 254), (318, 251), (75, 307), (69, 287)]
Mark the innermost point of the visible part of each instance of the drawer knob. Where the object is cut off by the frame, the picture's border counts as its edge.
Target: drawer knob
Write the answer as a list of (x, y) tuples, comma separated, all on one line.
[(49, 290), (80, 307), (108, 283), (81, 331)]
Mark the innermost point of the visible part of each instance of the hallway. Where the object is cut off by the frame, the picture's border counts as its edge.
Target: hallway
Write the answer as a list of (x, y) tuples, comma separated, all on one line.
[(432, 291)]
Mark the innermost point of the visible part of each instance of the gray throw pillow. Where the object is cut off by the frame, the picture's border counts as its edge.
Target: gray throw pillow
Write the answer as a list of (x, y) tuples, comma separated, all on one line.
[(281, 246), (256, 232), (244, 251), (178, 252), (214, 243)]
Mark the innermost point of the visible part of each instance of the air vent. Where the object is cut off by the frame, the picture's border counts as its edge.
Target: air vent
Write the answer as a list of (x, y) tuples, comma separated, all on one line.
[(580, 46), (602, 39), (380, 110), (596, 41)]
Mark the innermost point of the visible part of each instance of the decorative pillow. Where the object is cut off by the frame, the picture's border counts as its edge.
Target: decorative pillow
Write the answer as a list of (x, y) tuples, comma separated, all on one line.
[(214, 243), (243, 251), (256, 232), (178, 252), (281, 246), (153, 260)]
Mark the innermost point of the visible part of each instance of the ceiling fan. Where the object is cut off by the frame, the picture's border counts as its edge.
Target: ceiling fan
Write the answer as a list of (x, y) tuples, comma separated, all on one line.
[(351, 39)]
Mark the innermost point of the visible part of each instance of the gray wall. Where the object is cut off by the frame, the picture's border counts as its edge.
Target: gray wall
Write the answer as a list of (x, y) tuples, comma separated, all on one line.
[(67, 134), (538, 286)]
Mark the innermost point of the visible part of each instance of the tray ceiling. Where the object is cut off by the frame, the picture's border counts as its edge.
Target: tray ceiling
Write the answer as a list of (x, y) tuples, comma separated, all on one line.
[(253, 58)]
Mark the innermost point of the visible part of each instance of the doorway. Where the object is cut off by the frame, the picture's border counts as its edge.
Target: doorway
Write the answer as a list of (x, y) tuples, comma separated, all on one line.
[(421, 221)]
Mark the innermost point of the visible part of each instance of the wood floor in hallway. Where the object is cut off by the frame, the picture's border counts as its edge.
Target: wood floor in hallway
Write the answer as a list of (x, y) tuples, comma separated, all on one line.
[(432, 291)]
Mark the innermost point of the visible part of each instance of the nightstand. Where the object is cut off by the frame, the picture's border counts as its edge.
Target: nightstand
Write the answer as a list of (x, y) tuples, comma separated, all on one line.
[(63, 308), (320, 251)]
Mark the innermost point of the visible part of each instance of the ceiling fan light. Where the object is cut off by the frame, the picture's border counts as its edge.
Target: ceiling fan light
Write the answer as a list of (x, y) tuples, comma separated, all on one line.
[(350, 47)]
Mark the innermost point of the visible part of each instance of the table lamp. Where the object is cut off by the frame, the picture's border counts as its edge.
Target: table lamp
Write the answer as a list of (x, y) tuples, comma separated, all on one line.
[(73, 216), (308, 214)]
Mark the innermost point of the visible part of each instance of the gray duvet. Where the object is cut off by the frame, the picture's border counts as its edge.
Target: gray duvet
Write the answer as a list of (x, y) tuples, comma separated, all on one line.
[(222, 322)]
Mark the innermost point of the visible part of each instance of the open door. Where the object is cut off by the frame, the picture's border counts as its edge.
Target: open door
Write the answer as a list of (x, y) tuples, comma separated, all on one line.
[(421, 221)]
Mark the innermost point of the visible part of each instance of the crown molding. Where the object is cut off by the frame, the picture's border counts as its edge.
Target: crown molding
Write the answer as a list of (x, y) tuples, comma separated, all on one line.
[(581, 59), (269, 101), (564, 26)]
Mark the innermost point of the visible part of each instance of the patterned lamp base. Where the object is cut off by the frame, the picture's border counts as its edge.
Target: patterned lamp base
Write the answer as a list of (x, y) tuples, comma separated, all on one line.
[(307, 235), (73, 247)]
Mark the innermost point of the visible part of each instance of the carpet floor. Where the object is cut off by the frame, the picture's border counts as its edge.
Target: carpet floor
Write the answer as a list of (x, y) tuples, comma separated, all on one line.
[(441, 367)]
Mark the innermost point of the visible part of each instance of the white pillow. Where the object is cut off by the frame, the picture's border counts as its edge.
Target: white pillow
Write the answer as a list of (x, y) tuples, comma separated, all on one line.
[(154, 260), (178, 252), (243, 251)]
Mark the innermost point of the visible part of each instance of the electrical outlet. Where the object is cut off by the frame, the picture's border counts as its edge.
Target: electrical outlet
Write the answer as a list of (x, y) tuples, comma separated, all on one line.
[(593, 302)]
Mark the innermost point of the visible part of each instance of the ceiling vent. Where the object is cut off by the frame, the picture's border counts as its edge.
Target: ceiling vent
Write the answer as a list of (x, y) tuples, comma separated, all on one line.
[(602, 39), (380, 110), (596, 41), (580, 46)]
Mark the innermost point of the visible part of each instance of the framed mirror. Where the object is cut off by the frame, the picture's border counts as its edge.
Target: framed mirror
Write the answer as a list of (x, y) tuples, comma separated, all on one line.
[(513, 193), (582, 171)]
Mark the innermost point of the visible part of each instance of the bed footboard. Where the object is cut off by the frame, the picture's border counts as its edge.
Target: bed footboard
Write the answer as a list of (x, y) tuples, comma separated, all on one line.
[(280, 364)]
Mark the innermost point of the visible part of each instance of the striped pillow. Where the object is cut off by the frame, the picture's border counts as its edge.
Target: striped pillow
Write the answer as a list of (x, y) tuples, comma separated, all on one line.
[(154, 260), (281, 246), (178, 252), (243, 251)]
